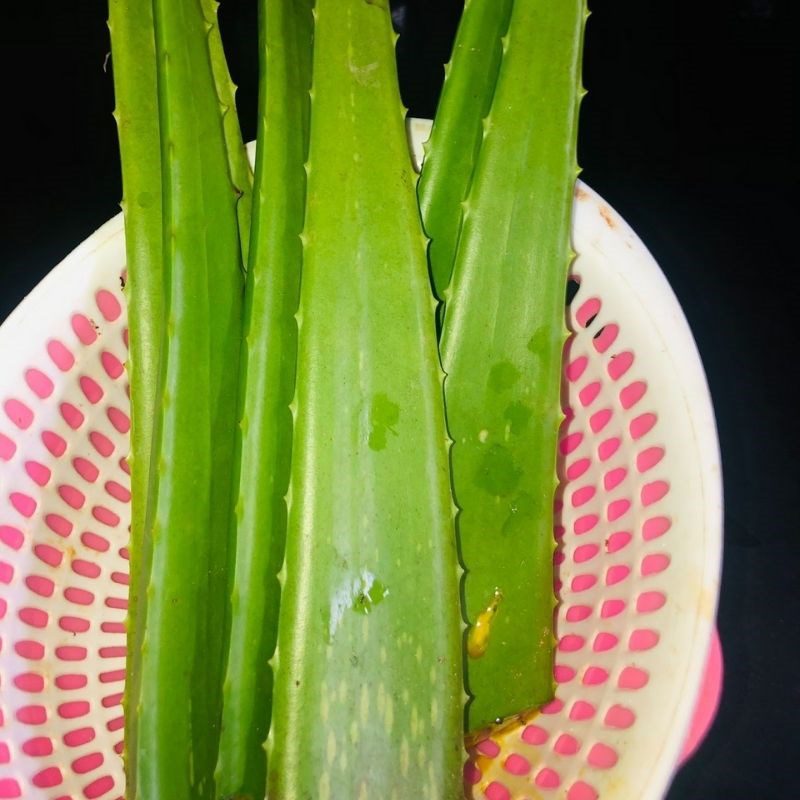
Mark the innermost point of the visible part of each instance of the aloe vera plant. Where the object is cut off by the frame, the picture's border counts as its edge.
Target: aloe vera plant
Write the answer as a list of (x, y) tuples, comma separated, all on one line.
[(266, 389), (501, 349), (368, 693), (176, 705), (454, 143), (225, 189), (135, 89)]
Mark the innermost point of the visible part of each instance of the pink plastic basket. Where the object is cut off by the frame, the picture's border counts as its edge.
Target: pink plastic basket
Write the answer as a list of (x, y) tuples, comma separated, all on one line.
[(639, 534)]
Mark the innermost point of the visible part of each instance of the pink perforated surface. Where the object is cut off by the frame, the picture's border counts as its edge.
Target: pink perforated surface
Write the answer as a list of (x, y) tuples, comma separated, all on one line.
[(64, 562)]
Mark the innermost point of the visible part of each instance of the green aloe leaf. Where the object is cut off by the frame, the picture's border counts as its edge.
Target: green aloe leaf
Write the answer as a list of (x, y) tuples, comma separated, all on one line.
[(220, 146), (455, 140), (266, 390), (182, 647), (368, 694), (501, 349), (135, 89)]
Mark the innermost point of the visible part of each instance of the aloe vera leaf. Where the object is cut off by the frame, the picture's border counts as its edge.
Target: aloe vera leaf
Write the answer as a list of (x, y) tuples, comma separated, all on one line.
[(368, 694), (241, 183), (178, 708), (224, 236), (267, 376), (457, 132), (501, 348), (136, 113), (238, 163)]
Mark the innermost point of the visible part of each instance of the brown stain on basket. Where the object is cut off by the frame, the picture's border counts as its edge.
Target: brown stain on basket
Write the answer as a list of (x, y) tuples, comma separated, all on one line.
[(608, 217)]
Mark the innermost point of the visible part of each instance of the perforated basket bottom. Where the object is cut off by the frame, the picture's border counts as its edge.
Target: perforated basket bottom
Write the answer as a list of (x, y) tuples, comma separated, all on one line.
[(64, 564), (633, 597)]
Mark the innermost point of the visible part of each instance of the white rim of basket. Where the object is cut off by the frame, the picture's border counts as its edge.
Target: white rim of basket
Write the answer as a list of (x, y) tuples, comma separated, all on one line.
[(647, 284)]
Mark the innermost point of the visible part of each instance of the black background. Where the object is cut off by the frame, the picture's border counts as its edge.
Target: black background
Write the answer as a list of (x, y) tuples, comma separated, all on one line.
[(688, 130)]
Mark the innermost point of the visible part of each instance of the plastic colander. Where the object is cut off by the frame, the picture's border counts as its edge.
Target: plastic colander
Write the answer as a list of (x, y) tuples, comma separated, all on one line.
[(639, 532)]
